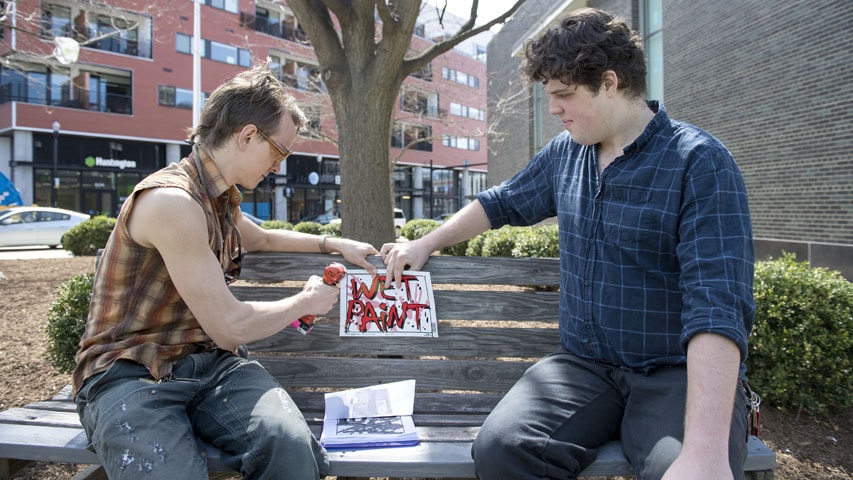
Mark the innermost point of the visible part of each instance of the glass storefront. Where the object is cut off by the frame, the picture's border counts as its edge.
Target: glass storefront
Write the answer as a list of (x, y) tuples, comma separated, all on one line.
[(313, 186), (94, 176)]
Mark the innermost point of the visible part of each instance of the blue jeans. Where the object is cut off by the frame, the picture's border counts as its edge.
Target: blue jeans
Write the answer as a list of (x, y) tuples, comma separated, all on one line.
[(550, 423), (142, 428)]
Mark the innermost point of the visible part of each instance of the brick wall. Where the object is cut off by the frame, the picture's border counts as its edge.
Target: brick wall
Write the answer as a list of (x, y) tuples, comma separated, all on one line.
[(773, 81)]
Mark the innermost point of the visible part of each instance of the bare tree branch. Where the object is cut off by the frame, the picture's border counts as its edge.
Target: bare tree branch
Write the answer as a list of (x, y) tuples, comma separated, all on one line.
[(465, 32)]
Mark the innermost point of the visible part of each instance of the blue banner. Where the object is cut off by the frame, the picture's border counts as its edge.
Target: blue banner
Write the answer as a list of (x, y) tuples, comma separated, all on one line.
[(9, 195)]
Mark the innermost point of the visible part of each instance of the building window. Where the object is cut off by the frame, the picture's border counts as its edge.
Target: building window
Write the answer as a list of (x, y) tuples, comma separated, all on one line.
[(267, 21), (227, 53), (313, 114), (183, 43), (462, 143), (116, 35), (480, 53), (419, 103), (96, 89), (413, 137), (299, 75), (454, 75), (56, 21), (653, 41), (109, 30), (420, 30), (169, 96), (424, 73), (466, 111), (220, 52), (227, 5), (276, 20)]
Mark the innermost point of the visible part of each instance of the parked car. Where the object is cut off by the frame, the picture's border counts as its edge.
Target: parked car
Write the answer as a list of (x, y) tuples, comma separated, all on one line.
[(26, 226), (399, 220), (322, 219), (443, 217)]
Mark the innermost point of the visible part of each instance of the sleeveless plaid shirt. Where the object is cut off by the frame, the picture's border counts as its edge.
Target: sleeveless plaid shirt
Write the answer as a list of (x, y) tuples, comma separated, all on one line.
[(136, 312)]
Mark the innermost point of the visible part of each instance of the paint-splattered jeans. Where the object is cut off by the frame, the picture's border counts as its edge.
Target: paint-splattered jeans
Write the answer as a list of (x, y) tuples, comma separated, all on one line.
[(141, 428)]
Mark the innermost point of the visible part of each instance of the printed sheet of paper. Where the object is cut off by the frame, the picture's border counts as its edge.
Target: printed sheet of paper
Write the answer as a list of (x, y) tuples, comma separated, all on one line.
[(375, 416), (369, 309)]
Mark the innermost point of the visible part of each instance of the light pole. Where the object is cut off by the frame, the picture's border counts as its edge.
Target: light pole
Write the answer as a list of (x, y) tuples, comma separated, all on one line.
[(55, 187)]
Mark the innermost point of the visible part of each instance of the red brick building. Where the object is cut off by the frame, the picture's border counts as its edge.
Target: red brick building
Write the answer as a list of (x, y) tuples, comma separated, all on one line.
[(121, 111)]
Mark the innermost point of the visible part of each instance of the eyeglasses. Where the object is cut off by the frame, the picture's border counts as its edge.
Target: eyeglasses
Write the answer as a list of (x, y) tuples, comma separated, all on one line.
[(281, 150)]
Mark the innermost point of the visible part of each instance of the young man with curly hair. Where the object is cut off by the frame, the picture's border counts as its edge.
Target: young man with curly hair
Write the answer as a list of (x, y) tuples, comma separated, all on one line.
[(656, 261)]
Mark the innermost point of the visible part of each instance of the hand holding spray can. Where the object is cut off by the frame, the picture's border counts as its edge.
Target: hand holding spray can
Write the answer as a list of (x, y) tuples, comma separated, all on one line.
[(332, 274)]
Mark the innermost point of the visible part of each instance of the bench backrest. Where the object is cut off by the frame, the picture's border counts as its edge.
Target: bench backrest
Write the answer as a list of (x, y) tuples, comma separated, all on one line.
[(492, 326)]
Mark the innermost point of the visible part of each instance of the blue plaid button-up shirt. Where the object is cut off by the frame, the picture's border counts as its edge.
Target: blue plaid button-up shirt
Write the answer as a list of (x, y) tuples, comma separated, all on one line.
[(655, 250)]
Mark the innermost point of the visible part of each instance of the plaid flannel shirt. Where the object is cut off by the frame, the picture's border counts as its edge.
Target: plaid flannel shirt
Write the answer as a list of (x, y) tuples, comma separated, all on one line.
[(653, 251)]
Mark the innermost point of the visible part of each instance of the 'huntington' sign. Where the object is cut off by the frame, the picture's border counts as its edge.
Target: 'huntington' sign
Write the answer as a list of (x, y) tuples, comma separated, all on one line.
[(109, 162)]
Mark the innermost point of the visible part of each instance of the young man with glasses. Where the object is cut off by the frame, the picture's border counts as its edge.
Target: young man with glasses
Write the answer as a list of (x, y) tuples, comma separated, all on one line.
[(158, 363), (656, 267)]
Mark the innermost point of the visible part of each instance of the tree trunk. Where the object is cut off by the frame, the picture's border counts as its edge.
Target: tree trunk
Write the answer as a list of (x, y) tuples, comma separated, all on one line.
[(364, 143), (363, 66)]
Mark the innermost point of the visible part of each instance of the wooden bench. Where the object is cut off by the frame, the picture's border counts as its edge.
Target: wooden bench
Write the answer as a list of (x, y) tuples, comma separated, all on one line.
[(492, 327)]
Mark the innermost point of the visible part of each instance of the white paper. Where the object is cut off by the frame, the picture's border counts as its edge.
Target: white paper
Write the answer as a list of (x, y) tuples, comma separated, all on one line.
[(369, 309)]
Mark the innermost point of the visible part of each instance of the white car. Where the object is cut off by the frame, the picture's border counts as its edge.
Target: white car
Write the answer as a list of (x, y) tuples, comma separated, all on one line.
[(399, 220), (27, 226)]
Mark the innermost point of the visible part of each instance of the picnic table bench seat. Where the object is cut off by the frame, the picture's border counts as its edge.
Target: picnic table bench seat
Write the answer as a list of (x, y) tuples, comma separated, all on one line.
[(493, 324)]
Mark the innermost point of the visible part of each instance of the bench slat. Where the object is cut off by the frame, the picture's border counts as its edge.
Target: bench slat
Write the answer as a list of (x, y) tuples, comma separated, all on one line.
[(432, 459), (41, 417), (339, 373), (425, 403), (458, 342), (519, 306), (273, 267), (446, 428)]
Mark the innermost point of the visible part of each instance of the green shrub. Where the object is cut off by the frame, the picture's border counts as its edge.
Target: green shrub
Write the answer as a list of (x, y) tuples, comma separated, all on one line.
[(331, 229), (417, 228), (277, 225), (539, 242), (500, 242), (313, 228), (88, 237), (459, 249), (475, 245), (801, 348), (66, 320)]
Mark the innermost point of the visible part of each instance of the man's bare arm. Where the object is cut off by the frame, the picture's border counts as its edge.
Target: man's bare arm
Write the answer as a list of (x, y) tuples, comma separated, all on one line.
[(712, 378), (169, 220)]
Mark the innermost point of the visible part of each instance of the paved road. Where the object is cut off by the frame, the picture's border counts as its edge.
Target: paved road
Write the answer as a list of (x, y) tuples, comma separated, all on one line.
[(18, 253)]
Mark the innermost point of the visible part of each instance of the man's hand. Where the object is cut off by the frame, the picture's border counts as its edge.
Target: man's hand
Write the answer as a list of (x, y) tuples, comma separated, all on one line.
[(402, 256), (354, 252), (701, 468), (319, 297)]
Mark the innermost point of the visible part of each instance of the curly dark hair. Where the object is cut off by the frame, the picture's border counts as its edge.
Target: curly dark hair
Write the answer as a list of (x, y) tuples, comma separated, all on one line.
[(582, 47)]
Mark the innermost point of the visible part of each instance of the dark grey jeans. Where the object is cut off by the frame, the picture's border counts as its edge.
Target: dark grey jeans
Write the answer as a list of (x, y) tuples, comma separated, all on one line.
[(141, 428), (549, 425)]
